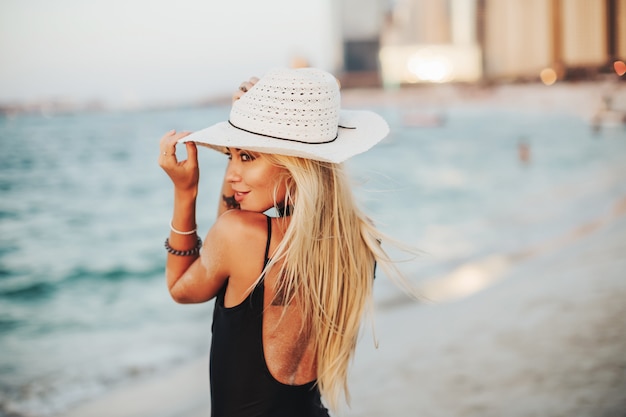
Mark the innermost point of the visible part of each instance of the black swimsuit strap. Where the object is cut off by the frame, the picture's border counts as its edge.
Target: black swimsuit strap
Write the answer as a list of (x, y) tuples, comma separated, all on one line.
[(269, 238)]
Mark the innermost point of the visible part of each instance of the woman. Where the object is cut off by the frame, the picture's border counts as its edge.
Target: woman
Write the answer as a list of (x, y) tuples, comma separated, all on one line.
[(290, 290)]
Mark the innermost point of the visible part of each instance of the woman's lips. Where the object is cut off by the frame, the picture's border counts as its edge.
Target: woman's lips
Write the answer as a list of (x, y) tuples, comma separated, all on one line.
[(239, 195)]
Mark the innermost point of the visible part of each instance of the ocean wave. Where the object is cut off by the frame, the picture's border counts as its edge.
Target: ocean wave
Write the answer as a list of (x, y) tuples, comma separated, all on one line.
[(29, 291), (23, 286), (116, 273), (7, 325), (5, 249), (4, 272)]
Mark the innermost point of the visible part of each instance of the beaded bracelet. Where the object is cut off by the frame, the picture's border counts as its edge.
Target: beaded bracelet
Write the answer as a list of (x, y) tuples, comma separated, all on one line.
[(190, 252), (178, 232)]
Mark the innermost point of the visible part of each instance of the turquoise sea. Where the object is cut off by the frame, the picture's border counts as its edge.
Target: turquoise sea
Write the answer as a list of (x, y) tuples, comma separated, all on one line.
[(84, 210)]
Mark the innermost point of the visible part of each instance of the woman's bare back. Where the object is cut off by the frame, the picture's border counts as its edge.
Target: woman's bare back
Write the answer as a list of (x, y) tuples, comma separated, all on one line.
[(287, 343)]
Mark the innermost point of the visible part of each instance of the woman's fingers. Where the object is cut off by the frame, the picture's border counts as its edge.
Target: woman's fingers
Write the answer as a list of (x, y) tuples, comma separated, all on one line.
[(184, 174), (244, 87), (168, 143), (237, 95), (247, 85), (167, 146), (192, 153)]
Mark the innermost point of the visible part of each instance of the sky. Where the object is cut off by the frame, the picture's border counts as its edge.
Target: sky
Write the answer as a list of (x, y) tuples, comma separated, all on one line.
[(142, 52)]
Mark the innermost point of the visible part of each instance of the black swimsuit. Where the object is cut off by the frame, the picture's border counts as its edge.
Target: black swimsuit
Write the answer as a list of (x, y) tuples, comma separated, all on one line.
[(241, 383)]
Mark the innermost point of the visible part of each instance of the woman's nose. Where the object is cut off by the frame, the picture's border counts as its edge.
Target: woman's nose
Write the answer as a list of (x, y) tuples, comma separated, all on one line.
[(232, 172)]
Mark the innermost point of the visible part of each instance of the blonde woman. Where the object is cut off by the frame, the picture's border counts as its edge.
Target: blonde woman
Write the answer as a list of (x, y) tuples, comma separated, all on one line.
[(291, 290)]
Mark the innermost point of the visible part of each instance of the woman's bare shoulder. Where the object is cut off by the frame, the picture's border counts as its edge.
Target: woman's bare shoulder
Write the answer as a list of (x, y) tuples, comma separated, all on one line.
[(238, 223), (242, 231), (241, 237)]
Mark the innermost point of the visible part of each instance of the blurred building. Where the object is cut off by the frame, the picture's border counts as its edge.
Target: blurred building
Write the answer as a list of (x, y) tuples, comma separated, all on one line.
[(362, 25), (573, 38), (431, 41), (411, 41)]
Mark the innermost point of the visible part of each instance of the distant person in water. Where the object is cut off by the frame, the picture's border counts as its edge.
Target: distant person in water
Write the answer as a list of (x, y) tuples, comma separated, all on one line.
[(291, 290), (523, 151)]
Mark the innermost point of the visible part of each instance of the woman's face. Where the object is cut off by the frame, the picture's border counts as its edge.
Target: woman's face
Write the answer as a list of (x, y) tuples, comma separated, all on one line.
[(253, 179)]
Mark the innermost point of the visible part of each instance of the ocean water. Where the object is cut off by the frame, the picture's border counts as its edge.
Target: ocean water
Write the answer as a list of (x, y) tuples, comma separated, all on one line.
[(84, 210)]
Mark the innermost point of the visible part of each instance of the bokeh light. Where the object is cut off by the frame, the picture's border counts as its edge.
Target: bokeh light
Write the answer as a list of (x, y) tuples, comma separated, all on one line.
[(620, 67), (430, 68), (548, 76)]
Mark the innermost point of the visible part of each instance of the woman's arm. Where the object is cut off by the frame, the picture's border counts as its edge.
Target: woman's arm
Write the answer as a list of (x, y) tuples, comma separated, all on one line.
[(202, 280), (188, 280), (185, 175)]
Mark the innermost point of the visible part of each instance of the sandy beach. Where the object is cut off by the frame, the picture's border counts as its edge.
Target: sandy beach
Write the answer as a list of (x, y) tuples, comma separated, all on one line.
[(547, 339), (545, 336)]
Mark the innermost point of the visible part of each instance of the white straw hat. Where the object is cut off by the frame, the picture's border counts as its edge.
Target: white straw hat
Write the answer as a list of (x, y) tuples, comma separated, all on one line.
[(295, 112)]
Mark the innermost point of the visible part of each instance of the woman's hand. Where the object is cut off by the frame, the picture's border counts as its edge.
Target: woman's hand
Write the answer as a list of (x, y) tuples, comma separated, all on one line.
[(244, 87), (184, 174)]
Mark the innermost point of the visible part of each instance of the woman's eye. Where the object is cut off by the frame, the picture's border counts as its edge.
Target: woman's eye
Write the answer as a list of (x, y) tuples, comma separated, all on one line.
[(246, 157), (230, 157)]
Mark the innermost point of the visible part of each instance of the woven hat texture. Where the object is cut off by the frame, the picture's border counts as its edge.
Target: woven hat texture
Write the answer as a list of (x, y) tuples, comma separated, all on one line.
[(295, 112)]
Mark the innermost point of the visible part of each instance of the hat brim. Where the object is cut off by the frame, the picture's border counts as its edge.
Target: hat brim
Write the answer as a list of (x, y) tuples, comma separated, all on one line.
[(359, 130)]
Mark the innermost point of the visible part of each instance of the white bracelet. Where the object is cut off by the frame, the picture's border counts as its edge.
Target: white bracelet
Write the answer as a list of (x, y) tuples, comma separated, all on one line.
[(191, 232)]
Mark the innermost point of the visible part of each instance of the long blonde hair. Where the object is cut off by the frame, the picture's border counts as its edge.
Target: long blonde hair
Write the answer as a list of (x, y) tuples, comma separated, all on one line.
[(327, 259)]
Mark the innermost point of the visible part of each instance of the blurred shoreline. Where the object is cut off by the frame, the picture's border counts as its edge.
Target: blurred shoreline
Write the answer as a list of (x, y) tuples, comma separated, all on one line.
[(581, 98), (567, 96)]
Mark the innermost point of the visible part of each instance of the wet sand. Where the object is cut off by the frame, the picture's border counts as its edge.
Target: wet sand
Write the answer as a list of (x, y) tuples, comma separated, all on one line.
[(547, 339)]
